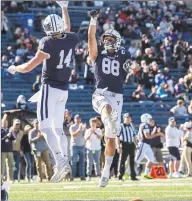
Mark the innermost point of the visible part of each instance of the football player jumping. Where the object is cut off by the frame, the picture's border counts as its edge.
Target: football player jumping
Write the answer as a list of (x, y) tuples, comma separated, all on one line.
[(55, 51), (111, 63)]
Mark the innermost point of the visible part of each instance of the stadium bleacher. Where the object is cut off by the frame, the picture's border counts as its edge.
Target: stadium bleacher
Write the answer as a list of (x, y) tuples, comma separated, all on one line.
[(80, 100)]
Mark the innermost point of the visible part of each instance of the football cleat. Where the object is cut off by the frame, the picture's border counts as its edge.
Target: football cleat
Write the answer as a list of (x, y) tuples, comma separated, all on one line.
[(103, 182), (62, 170), (147, 176)]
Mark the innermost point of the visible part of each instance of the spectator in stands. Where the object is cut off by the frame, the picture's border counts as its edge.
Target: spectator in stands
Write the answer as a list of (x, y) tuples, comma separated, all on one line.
[(77, 131), (108, 25), (7, 149), (145, 43), (17, 34), (88, 74), (68, 121), (93, 137), (159, 78), (188, 82), (153, 96), (11, 54), (29, 53), (73, 79), (157, 35), (163, 91), (173, 137), (139, 94), (21, 103), (154, 68), (188, 148), (17, 153), (4, 23), (28, 156), (190, 108), (178, 53), (179, 109), (156, 143), (17, 61), (40, 151), (168, 79), (37, 84), (4, 62), (165, 25), (180, 89), (26, 33), (133, 49), (78, 58), (167, 51)]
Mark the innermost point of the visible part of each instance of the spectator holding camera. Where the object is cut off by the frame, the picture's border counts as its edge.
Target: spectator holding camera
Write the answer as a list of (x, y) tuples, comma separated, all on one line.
[(93, 137), (77, 131)]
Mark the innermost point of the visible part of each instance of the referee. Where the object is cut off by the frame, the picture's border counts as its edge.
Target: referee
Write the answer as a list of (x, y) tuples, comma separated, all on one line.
[(126, 146)]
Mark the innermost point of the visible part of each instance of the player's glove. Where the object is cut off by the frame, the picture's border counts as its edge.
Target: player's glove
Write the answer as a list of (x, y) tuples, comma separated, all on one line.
[(11, 69), (130, 65), (63, 4), (93, 14)]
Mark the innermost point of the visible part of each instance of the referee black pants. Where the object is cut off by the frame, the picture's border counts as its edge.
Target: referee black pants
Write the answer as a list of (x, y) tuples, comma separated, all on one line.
[(128, 149)]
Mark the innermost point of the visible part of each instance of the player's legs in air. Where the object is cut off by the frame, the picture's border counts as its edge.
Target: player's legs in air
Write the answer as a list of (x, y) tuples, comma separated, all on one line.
[(50, 108), (110, 110)]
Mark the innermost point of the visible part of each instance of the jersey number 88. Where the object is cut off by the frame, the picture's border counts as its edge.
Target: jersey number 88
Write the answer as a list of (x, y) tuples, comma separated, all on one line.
[(110, 67)]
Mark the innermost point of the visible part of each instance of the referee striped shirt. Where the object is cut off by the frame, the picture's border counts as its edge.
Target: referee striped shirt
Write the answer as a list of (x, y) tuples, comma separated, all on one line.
[(126, 133)]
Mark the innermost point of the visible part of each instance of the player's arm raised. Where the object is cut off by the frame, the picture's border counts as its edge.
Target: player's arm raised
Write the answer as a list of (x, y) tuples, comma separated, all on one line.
[(65, 14), (30, 65), (92, 42)]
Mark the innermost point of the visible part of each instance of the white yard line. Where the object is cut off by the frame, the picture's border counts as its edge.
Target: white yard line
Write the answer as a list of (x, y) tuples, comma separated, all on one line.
[(84, 191)]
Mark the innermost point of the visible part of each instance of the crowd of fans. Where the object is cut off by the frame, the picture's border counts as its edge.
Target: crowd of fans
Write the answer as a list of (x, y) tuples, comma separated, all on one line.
[(158, 37)]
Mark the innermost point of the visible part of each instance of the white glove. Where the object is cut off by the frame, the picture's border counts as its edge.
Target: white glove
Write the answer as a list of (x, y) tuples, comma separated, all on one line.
[(11, 69), (63, 4)]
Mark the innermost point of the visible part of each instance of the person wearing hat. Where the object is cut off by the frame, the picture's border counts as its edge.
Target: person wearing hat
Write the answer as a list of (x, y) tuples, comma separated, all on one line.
[(28, 156), (179, 109), (126, 140), (17, 152), (77, 131), (188, 148), (173, 137), (159, 78)]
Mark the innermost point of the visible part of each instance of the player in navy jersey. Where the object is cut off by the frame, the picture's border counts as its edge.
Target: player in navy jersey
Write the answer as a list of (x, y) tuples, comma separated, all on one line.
[(55, 51), (146, 134), (111, 63)]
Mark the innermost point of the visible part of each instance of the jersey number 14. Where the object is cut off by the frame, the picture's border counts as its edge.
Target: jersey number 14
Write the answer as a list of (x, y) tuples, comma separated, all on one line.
[(110, 66), (66, 61)]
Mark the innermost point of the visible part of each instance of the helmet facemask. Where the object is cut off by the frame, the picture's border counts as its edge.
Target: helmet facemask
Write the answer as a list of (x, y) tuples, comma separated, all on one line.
[(111, 44)]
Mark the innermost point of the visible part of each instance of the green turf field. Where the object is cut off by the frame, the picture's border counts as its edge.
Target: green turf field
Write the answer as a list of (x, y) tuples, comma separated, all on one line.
[(156, 189)]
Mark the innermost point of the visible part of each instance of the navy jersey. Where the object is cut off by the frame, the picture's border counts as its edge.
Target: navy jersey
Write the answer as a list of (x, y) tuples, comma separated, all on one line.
[(108, 69), (56, 70), (143, 129)]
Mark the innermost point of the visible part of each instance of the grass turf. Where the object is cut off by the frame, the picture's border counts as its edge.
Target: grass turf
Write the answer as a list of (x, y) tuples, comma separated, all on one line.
[(156, 189)]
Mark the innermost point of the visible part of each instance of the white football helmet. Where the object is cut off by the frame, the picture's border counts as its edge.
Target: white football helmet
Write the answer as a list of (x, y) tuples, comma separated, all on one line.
[(145, 118), (110, 45), (53, 24)]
